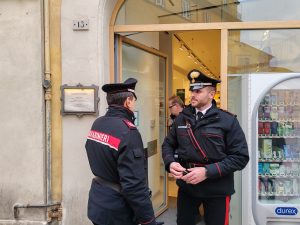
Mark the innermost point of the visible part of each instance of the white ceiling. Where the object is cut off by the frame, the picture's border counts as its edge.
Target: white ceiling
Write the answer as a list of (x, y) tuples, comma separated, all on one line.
[(205, 44)]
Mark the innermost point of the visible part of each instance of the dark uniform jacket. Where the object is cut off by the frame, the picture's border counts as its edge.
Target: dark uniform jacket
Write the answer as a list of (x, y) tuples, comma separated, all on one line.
[(223, 149), (116, 154)]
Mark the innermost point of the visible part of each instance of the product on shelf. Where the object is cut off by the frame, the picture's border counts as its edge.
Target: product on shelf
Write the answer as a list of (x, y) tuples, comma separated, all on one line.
[(273, 98), (296, 97), (281, 112), (274, 169), (274, 113), (272, 186), (288, 128), (287, 152), (289, 112), (280, 128), (277, 151), (267, 112), (282, 170), (260, 168), (267, 128), (281, 96), (288, 187), (260, 112), (267, 148), (266, 168), (295, 186), (288, 97), (267, 99), (274, 127), (260, 128), (296, 111), (295, 169), (280, 188)]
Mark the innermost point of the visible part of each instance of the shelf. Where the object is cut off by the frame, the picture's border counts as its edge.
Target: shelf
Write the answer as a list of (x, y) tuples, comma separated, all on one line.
[(279, 105), (283, 197), (276, 136), (279, 195), (278, 176), (278, 120), (279, 160)]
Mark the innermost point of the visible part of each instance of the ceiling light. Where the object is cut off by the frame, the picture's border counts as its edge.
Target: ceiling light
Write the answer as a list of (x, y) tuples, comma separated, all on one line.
[(181, 46)]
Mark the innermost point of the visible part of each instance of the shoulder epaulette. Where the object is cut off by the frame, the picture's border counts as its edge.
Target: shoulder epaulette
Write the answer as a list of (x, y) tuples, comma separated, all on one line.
[(129, 124), (230, 113)]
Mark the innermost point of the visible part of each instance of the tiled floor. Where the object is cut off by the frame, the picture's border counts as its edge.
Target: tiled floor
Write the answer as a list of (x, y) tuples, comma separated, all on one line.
[(169, 216)]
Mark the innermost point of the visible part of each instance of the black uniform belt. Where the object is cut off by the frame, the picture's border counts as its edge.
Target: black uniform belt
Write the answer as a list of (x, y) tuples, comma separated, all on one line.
[(114, 186), (189, 165)]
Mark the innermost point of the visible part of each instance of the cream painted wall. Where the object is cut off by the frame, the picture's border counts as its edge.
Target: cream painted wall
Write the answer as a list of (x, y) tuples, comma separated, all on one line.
[(22, 172), (85, 60)]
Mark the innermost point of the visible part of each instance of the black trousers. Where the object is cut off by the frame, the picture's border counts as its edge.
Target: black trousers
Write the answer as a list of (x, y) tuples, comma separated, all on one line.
[(216, 210)]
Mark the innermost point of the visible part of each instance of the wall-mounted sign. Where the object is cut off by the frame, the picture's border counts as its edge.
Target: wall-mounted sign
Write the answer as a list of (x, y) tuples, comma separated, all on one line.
[(151, 148), (79, 100), (81, 24)]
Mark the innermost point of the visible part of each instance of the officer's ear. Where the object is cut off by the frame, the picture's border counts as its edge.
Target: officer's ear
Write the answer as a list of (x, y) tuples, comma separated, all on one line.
[(128, 102), (212, 91)]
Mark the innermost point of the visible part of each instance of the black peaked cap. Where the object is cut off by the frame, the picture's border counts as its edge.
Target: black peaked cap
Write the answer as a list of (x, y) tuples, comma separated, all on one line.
[(199, 80), (127, 86)]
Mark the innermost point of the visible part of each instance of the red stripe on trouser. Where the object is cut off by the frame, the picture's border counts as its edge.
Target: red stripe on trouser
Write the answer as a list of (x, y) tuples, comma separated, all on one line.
[(227, 210)]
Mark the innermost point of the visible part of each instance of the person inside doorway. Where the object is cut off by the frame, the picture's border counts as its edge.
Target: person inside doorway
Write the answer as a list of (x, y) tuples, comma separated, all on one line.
[(211, 146), (176, 105)]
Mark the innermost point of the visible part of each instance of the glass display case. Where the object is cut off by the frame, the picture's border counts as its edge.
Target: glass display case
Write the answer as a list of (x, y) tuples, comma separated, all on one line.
[(279, 144)]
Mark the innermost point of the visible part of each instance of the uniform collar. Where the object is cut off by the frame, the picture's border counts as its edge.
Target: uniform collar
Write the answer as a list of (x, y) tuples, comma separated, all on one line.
[(203, 111), (120, 111)]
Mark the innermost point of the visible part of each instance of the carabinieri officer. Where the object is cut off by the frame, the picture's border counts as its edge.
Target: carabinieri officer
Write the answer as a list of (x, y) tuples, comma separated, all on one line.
[(119, 194), (210, 146)]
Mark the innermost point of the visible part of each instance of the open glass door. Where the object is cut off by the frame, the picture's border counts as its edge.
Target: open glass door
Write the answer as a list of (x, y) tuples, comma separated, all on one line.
[(149, 67)]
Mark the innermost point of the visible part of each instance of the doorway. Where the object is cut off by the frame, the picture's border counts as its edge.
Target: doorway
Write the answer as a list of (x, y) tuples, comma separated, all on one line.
[(160, 61)]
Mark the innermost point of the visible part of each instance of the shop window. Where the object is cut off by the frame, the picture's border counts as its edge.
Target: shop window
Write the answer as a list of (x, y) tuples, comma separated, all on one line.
[(256, 51), (190, 11)]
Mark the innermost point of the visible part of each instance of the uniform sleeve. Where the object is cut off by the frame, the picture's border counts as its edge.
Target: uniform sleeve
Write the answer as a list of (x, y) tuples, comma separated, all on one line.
[(131, 168), (236, 150), (168, 147)]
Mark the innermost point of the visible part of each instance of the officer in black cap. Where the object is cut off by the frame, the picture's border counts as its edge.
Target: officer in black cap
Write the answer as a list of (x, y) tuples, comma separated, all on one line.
[(119, 193), (199, 80), (210, 146)]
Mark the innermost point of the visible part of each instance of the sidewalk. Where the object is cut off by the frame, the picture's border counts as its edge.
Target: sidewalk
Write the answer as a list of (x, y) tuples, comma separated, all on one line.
[(169, 216)]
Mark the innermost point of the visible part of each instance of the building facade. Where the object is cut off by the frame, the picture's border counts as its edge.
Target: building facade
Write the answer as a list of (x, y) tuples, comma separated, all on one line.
[(54, 53)]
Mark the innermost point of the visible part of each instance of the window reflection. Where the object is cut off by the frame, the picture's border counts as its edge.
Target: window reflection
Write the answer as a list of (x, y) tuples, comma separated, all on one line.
[(263, 51), (199, 11)]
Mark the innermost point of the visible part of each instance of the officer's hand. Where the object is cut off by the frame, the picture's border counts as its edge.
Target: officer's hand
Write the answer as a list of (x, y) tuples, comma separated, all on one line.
[(195, 175), (176, 170)]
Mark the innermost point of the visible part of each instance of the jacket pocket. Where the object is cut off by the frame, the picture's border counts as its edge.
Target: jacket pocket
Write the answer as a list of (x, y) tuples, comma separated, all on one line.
[(137, 153), (214, 145)]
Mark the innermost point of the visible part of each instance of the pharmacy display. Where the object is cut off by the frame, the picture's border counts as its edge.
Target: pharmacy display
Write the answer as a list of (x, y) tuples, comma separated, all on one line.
[(279, 146)]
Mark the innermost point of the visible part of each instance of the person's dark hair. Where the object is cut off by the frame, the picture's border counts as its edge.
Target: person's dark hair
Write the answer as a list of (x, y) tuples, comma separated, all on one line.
[(212, 88), (176, 100), (118, 98)]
